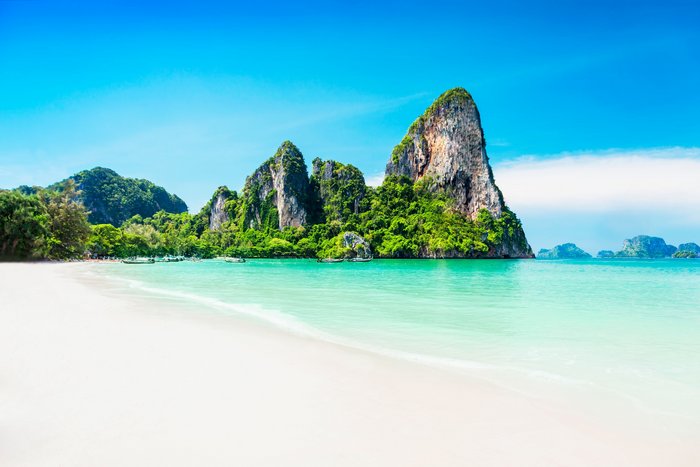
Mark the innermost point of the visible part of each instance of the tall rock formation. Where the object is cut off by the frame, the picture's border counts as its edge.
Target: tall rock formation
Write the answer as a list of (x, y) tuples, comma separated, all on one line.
[(276, 194), (340, 188), (445, 148), (217, 212)]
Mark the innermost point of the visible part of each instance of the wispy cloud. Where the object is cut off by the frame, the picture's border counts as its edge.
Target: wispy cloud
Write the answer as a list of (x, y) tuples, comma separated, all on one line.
[(605, 181), (375, 179)]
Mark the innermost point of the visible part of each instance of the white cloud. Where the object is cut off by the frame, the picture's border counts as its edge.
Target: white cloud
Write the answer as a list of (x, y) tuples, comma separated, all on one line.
[(375, 180), (656, 179)]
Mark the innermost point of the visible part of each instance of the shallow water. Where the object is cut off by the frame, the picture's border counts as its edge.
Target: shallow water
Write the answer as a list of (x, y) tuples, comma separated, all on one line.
[(627, 330)]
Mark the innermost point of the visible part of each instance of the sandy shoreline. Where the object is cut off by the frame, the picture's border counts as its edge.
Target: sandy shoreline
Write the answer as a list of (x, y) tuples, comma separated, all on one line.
[(88, 377)]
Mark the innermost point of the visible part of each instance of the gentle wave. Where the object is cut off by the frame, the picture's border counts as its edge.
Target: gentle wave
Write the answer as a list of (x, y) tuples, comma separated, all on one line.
[(295, 326), (524, 380)]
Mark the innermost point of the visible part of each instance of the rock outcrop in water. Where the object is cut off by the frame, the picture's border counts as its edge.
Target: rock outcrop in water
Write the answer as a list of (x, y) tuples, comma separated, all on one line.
[(358, 246), (564, 251), (644, 246), (445, 148), (277, 193), (606, 254)]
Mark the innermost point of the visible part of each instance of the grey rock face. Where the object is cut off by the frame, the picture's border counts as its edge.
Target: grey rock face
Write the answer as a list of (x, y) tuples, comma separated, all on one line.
[(359, 245), (277, 192), (644, 246), (564, 251), (217, 214), (446, 148)]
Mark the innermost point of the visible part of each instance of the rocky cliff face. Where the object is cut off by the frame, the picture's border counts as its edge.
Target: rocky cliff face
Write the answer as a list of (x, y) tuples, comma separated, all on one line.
[(358, 246), (217, 212), (445, 150), (340, 188), (644, 246), (445, 147), (276, 194)]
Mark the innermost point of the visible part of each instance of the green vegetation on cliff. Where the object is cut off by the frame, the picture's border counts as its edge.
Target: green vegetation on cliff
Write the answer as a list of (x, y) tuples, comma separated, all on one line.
[(399, 219), (277, 194), (112, 199), (338, 189), (685, 254)]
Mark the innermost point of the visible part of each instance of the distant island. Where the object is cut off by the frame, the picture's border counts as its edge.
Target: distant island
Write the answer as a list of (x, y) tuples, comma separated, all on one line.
[(564, 251), (644, 246), (687, 250), (438, 200), (641, 246)]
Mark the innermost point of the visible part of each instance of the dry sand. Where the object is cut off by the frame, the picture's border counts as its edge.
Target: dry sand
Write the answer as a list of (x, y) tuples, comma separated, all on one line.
[(92, 378)]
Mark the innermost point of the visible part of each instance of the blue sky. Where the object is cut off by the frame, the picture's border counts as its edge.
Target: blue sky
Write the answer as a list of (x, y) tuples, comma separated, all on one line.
[(193, 95)]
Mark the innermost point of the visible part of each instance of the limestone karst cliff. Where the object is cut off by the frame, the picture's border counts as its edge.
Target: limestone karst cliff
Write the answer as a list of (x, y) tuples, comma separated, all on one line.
[(439, 199), (445, 148), (217, 212), (276, 194)]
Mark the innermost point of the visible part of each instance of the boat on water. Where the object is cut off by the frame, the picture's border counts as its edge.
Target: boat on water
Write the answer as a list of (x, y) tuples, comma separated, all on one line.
[(358, 259), (170, 259), (330, 260), (234, 260), (138, 261)]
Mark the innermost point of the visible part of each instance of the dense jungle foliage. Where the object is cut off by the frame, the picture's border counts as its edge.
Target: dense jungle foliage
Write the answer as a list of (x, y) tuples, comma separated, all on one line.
[(399, 219), (112, 199)]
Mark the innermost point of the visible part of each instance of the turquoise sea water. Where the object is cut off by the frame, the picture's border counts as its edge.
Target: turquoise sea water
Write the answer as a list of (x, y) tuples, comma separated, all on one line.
[(625, 330)]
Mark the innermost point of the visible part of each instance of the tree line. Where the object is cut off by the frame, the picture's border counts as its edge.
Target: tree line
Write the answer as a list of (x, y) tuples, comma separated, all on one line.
[(399, 219)]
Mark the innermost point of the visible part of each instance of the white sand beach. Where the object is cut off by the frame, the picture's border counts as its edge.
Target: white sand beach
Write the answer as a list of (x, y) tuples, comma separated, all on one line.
[(92, 378)]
